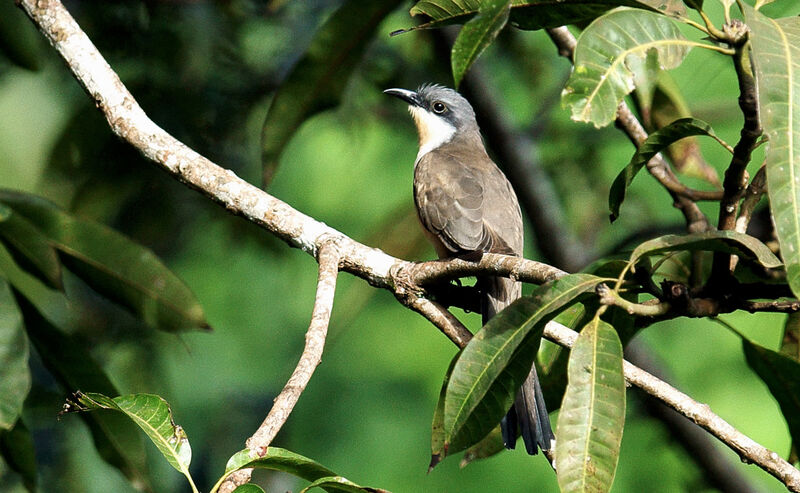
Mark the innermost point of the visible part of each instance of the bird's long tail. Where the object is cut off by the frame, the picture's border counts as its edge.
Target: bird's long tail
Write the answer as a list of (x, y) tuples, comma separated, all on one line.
[(528, 413)]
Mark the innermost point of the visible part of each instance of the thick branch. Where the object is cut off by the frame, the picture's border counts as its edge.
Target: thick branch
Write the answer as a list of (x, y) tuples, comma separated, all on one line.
[(328, 259), (129, 121)]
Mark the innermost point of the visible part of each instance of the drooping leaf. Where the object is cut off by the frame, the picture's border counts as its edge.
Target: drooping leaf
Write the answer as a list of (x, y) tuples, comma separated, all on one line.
[(19, 454), (477, 35), (602, 73), (116, 439), (536, 14), (776, 56), (592, 416), (149, 412), (29, 247), (655, 143), (490, 445), (318, 79), (782, 377), (278, 459), (745, 246), (15, 382), (497, 360), (438, 451), (113, 265)]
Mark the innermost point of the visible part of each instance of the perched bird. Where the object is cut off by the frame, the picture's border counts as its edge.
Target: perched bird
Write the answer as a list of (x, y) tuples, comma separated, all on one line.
[(465, 205)]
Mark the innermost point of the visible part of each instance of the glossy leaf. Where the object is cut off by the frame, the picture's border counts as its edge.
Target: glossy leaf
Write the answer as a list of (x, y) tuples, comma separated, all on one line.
[(113, 265), (781, 374), (536, 14), (15, 382), (30, 249), (496, 361), (115, 438), (19, 454), (592, 416), (149, 412), (477, 35), (603, 75), (657, 142), (745, 246), (776, 56), (278, 459), (318, 79)]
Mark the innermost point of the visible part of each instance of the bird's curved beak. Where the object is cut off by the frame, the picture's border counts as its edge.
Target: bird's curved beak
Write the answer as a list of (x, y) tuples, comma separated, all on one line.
[(409, 97)]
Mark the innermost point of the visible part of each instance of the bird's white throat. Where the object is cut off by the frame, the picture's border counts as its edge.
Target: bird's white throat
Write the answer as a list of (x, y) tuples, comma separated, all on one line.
[(433, 130)]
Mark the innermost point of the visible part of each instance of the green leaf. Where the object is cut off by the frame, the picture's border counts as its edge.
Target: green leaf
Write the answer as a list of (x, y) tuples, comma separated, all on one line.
[(740, 244), (278, 459), (592, 416), (318, 79), (477, 35), (19, 454), (113, 265), (489, 445), (602, 75), (438, 451), (782, 377), (149, 412), (115, 438), (537, 14), (29, 248), (790, 344), (248, 488), (15, 382), (336, 483), (655, 143), (776, 55), (496, 361)]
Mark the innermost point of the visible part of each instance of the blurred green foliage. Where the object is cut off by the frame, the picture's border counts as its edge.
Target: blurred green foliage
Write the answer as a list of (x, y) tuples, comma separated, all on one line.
[(206, 71)]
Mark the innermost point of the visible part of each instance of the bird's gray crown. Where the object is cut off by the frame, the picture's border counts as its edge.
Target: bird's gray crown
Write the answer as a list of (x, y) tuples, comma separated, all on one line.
[(456, 109)]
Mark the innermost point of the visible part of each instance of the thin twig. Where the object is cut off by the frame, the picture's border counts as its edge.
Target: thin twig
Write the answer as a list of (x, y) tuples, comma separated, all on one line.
[(128, 121), (311, 357), (516, 268)]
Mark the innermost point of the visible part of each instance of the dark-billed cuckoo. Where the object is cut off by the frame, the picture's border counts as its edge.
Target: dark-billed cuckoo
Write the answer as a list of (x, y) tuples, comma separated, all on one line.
[(466, 205)]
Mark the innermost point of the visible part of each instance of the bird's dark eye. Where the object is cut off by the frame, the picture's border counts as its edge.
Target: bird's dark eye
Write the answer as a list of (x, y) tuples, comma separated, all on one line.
[(439, 107)]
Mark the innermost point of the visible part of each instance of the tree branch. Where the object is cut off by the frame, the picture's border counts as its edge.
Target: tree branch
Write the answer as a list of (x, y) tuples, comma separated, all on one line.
[(128, 121), (328, 258)]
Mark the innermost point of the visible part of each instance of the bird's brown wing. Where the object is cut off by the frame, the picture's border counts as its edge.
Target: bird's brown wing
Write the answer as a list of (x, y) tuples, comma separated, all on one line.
[(450, 199)]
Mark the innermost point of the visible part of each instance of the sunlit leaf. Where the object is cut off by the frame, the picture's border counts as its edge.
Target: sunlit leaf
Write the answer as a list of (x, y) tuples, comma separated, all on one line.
[(113, 265), (318, 79), (19, 454), (29, 247), (116, 439), (602, 74), (15, 382), (477, 35), (149, 412), (278, 459), (776, 56), (592, 416), (497, 360), (655, 143), (536, 14), (782, 377), (745, 246)]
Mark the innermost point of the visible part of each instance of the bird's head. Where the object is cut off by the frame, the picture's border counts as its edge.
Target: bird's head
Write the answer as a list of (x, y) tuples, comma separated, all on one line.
[(440, 113)]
